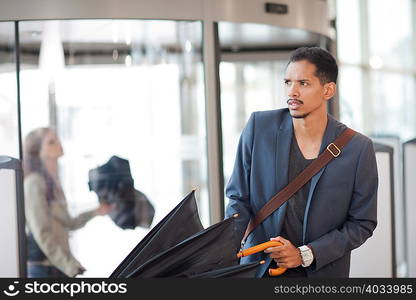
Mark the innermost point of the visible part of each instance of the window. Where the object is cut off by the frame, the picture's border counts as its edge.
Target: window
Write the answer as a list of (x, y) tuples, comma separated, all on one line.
[(8, 92), (128, 88)]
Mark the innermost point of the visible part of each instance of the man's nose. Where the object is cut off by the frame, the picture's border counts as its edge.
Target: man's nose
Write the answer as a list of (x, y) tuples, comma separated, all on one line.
[(293, 91)]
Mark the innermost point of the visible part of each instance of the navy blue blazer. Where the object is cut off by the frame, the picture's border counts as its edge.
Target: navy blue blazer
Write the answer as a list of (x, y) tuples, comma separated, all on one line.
[(341, 210)]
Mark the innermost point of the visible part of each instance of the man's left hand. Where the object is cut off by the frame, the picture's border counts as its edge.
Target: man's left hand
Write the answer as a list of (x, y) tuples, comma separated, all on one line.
[(286, 256)]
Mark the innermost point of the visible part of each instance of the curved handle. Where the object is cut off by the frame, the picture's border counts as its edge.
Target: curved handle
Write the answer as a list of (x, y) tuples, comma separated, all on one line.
[(258, 248), (261, 247), (277, 271)]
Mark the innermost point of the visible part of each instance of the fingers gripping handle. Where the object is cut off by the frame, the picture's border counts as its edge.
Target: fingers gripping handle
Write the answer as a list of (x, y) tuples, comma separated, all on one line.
[(262, 247), (258, 248)]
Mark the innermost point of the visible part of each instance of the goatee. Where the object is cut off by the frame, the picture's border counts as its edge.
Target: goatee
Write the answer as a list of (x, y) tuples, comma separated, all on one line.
[(301, 116)]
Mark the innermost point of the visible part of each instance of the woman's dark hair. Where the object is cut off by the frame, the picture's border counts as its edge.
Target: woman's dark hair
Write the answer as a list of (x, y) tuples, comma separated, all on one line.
[(32, 162), (325, 63)]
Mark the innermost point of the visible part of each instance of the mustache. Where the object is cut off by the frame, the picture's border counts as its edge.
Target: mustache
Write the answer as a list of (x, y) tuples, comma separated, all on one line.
[(294, 100)]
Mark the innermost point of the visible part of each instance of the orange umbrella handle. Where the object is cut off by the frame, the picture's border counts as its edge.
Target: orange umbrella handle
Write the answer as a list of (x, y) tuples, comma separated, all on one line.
[(277, 271), (261, 247), (258, 248)]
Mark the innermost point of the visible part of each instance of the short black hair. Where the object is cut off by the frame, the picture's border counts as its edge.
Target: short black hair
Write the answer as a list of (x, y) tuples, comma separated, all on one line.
[(325, 63)]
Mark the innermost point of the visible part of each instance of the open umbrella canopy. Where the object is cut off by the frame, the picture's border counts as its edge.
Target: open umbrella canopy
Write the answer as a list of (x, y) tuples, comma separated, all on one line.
[(113, 184), (208, 250), (110, 174), (237, 271), (182, 222), (178, 246)]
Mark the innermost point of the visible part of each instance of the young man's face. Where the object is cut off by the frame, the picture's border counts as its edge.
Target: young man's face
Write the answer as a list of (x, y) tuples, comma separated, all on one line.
[(305, 93)]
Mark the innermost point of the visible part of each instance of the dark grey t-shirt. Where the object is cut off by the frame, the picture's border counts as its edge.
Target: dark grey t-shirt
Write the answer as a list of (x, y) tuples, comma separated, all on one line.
[(292, 229)]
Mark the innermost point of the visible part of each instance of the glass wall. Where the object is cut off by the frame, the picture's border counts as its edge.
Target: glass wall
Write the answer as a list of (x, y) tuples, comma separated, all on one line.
[(246, 86), (8, 92), (376, 67), (127, 88), (377, 83)]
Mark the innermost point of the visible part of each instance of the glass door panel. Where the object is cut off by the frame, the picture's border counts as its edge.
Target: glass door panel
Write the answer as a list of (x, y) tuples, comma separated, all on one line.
[(8, 92), (129, 88)]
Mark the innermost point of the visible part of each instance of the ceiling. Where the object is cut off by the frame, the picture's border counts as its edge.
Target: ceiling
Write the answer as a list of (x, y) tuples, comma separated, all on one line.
[(93, 34)]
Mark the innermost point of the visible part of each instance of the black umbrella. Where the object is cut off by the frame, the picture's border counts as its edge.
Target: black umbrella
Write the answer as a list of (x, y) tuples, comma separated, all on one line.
[(209, 253), (238, 271), (109, 175), (182, 222), (208, 250), (114, 184)]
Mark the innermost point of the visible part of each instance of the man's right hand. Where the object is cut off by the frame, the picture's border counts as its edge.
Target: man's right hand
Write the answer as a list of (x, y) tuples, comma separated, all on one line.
[(285, 256)]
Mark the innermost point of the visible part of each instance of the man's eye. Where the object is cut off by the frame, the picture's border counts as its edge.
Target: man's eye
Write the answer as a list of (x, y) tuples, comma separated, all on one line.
[(286, 82), (304, 83)]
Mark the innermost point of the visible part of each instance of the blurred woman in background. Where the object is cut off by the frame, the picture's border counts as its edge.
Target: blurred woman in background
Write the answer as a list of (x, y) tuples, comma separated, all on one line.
[(47, 217)]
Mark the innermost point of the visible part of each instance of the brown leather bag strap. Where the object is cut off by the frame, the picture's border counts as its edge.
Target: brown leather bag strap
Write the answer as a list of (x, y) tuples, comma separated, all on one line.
[(332, 151)]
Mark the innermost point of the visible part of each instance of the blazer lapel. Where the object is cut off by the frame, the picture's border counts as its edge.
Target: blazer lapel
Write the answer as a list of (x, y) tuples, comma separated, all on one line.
[(274, 223), (329, 137), (284, 139)]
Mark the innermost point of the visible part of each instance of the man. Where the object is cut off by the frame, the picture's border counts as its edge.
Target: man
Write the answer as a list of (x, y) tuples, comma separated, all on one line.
[(336, 211)]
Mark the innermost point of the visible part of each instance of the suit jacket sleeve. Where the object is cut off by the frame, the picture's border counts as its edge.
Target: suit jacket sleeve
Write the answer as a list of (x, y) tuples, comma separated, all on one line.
[(238, 188), (362, 214)]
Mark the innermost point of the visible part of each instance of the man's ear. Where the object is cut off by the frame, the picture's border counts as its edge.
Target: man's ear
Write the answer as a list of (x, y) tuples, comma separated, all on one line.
[(329, 90)]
